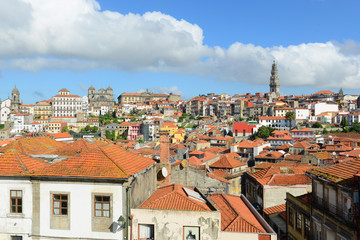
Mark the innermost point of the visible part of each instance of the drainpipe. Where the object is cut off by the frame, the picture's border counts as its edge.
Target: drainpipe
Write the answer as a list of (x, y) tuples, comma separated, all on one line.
[(127, 211)]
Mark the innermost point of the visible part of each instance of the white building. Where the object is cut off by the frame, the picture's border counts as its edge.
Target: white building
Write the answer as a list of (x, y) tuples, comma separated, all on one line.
[(21, 123), (321, 107), (274, 121), (65, 104), (62, 201), (5, 111), (301, 114)]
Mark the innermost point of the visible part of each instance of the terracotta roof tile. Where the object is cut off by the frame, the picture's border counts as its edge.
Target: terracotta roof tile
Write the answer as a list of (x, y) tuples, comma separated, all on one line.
[(174, 197), (235, 215), (275, 209)]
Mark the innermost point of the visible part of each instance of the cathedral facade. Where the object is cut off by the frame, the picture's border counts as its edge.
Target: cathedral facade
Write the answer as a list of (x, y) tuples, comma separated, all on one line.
[(101, 97)]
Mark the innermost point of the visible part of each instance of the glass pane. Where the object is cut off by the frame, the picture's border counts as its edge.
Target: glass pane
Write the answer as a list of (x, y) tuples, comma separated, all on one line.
[(106, 206), (19, 193), (64, 204), (13, 201), (57, 197), (19, 201), (56, 204), (19, 209), (64, 211), (98, 198), (64, 197), (106, 213), (98, 213), (98, 206), (106, 199), (13, 209), (13, 193), (56, 211)]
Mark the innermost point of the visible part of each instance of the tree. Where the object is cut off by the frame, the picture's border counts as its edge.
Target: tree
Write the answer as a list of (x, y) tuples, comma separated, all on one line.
[(291, 117), (94, 129), (344, 122), (263, 132), (87, 128), (65, 129), (355, 127), (317, 125)]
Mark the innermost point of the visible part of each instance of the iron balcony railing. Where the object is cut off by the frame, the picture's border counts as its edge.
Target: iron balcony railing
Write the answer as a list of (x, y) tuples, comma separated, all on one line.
[(342, 213)]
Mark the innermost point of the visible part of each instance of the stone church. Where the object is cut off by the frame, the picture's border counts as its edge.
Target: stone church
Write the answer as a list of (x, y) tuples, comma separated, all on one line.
[(101, 97)]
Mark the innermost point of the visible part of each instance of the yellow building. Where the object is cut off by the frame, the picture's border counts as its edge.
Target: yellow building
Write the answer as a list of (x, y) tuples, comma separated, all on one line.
[(42, 110), (55, 127), (169, 127), (179, 136)]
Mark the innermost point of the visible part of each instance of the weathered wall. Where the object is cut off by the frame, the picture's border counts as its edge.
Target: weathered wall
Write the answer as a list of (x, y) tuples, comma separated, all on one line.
[(169, 224), (142, 187), (192, 177), (276, 195)]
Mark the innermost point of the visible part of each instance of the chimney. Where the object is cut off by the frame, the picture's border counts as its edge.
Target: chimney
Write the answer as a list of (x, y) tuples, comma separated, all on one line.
[(164, 167), (164, 147)]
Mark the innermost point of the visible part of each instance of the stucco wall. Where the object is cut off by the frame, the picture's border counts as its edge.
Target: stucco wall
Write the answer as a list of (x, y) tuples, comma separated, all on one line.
[(168, 224), (276, 195), (80, 208), (192, 177), (15, 224)]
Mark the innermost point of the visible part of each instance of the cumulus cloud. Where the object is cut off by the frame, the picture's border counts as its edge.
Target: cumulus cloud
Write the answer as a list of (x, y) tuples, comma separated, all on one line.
[(77, 35), (167, 90)]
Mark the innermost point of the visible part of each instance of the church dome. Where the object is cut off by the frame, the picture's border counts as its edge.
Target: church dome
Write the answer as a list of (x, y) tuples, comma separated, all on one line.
[(91, 88)]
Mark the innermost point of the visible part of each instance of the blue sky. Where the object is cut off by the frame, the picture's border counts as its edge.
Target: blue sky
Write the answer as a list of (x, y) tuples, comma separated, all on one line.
[(185, 47)]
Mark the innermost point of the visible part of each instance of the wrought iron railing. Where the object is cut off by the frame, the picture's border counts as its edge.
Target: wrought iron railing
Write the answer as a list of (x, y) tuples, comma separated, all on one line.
[(342, 213)]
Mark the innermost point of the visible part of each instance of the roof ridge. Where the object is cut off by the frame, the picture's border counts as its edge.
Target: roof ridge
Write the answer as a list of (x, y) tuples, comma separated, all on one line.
[(23, 166), (100, 147), (243, 219)]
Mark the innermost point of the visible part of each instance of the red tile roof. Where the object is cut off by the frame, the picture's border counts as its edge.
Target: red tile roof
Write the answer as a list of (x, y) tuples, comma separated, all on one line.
[(174, 197), (227, 162), (235, 215), (108, 161), (13, 163), (340, 172), (275, 209)]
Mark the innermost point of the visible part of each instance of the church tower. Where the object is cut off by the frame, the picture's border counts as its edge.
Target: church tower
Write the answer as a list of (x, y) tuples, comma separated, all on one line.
[(274, 81), (15, 100)]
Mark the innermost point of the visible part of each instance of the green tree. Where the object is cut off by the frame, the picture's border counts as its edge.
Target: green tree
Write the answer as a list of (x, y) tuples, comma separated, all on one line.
[(291, 117), (65, 129), (317, 125), (355, 127), (94, 129), (344, 123), (87, 128), (263, 132)]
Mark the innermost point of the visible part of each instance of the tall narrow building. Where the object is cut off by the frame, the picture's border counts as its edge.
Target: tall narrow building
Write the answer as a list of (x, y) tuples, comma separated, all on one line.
[(15, 100), (274, 81)]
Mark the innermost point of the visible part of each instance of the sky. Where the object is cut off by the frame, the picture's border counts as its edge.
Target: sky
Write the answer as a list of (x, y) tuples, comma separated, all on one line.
[(184, 47)]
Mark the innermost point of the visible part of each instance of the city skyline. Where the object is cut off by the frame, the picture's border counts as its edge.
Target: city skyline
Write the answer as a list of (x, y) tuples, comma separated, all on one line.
[(221, 48)]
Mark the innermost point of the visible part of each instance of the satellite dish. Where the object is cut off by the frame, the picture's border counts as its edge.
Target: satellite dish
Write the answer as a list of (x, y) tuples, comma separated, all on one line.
[(348, 203), (184, 163), (164, 172)]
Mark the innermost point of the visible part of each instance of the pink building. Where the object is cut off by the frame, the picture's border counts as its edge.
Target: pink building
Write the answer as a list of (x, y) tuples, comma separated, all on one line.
[(134, 132)]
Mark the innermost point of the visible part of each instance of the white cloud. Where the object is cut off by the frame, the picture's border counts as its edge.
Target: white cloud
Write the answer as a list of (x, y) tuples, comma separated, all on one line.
[(167, 90), (77, 35)]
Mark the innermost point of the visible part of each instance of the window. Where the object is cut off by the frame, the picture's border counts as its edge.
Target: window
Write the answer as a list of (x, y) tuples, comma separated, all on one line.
[(16, 238), (307, 228), (298, 221), (16, 201), (102, 206), (60, 206), (191, 233), (146, 232), (291, 217)]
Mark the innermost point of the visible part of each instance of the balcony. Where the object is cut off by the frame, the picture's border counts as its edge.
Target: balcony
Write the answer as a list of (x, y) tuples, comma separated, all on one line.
[(341, 213)]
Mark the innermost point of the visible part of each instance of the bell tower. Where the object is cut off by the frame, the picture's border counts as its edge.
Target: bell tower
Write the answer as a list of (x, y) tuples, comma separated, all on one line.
[(274, 80), (15, 99)]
